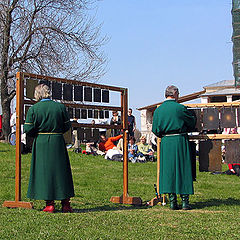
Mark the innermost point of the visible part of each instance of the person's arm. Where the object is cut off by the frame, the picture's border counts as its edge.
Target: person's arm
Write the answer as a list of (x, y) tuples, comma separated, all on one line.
[(156, 125), (114, 139), (134, 124), (230, 166), (29, 125), (66, 120)]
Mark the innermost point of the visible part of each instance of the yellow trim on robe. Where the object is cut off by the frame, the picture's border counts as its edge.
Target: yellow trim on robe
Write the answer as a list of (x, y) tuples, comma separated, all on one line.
[(49, 133)]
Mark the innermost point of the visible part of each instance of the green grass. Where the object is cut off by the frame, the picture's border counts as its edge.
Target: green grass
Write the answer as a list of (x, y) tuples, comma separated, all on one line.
[(216, 203)]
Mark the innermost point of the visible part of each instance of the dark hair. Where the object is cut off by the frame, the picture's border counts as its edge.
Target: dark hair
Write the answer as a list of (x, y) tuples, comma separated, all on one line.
[(130, 109), (132, 138)]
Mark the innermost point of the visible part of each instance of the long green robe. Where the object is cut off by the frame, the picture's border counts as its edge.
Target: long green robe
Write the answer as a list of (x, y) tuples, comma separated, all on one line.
[(50, 172), (174, 120)]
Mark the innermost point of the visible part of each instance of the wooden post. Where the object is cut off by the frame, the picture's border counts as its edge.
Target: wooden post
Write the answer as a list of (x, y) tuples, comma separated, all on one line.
[(154, 201), (158, 162), (19, 121), (125, 145), (125, 198)]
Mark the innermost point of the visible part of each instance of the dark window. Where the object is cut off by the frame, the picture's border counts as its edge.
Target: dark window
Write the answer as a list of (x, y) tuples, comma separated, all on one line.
[(84, 113), (67, 92), (57, 90), (101, 114), (106, 114), (88, 94), (95, 113), (77, 113), (105, 96), (218, 99), (97, 95), (78, 93), (70, 112), (90, 113)]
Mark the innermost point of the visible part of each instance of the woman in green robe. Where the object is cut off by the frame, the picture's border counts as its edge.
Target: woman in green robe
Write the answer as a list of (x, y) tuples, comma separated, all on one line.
[(171, 122), (50, 173)]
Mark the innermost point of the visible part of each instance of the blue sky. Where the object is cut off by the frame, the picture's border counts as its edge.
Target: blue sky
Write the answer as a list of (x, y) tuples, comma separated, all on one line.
[(156, 43)]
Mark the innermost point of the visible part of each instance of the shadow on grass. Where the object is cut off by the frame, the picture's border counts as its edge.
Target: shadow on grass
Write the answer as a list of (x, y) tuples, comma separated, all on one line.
[(214, 202), (106, 208), (4, 150)]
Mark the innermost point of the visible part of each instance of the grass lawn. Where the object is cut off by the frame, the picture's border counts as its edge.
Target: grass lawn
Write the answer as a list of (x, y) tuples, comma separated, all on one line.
[(215, 214)]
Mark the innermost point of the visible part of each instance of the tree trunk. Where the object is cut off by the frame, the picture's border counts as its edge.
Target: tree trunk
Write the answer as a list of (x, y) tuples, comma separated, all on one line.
[(5, 118), (5, 99)]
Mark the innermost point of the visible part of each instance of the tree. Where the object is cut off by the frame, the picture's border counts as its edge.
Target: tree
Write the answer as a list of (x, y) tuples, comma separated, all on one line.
[(48, 37)]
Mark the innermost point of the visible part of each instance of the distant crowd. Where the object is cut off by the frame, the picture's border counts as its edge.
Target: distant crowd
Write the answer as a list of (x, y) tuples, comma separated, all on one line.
[(112, 147)]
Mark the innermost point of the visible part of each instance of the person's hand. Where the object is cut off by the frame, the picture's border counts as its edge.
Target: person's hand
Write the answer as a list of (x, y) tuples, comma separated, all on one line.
[(151, 153), (232, 170)]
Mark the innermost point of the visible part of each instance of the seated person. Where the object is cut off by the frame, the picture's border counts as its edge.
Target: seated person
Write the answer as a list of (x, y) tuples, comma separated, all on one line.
[(145, 150), (92, 148), (234, 169), (132, 150), (114, 155), (108, 143)]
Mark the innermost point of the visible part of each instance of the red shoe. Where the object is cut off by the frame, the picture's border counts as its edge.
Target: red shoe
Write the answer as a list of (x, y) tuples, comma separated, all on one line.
[(49, 209), (66, 208)]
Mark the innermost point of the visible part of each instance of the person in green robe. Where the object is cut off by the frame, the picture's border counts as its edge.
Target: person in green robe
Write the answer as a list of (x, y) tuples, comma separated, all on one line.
[(50, 172), (171, 122)]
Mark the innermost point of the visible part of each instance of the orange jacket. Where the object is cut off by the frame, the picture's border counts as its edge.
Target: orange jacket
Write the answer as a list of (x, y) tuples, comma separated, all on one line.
[(104, 146)]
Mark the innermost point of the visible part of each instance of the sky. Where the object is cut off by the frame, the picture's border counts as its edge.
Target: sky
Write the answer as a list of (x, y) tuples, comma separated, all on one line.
[(156, 43)]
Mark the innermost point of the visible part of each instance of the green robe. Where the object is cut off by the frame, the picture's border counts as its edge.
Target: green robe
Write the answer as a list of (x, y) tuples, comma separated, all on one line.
[(174, 120), (50, 172)]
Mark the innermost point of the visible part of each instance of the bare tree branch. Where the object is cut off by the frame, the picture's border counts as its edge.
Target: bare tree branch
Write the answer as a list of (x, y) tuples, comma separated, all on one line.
[(52, 37)]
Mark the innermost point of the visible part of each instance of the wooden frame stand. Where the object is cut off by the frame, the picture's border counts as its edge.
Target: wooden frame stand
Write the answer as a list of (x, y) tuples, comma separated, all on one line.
[(20, 101)]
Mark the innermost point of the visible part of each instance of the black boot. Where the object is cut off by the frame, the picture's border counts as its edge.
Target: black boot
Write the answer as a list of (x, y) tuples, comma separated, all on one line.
[(185, 202), (173, 201)]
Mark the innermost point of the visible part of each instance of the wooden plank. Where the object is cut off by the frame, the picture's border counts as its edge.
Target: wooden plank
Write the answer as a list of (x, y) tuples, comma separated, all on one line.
[(17, 204), (74, 82), (89, 125), (127, 200), (210, 156), (85, 106), (214, 136), (216, 104)]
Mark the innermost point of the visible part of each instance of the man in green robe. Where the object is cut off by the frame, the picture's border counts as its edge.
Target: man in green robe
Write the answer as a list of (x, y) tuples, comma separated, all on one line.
[(50, 173), (171, 122)]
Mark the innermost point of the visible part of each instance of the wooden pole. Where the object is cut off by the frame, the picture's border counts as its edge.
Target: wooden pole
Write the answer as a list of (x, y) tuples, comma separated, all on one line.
[(19, 121), (158, 162), (125, 143), (125, 198), (19, 92)]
